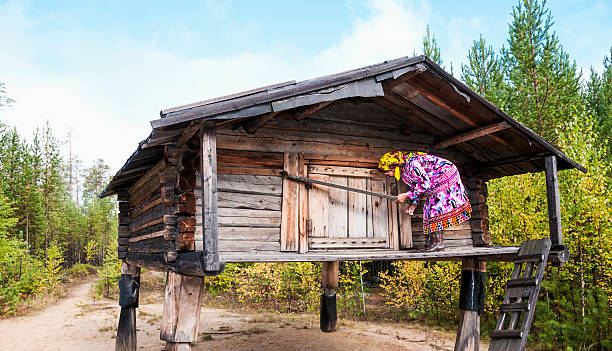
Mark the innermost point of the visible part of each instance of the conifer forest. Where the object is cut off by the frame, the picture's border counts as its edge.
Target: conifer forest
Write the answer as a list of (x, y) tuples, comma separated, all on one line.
[(52, 222)]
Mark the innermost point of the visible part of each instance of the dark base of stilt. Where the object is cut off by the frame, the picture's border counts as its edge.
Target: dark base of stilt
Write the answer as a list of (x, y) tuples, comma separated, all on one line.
[(329, 315), (126, 330)]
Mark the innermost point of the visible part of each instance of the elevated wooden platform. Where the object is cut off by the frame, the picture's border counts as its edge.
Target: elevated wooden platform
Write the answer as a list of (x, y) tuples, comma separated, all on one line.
[(492, 253)]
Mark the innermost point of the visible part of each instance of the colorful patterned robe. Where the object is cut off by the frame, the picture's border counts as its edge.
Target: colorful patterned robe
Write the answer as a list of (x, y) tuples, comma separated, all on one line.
[(447, 202)]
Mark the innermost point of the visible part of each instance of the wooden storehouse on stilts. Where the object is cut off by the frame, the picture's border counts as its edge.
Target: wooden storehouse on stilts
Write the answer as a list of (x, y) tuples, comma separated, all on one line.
[(205, 189)]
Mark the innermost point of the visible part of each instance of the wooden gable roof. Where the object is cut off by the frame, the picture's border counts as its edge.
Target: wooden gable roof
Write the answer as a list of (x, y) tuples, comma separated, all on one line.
[(416, 89)]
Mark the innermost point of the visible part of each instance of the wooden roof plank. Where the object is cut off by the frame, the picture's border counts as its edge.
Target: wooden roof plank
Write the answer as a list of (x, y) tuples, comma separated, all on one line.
[(304, 87), (427, 78), (164, 112)]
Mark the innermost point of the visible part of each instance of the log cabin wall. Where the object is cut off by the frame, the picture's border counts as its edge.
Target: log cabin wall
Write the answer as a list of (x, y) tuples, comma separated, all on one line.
[(161, 208), (342, 137)]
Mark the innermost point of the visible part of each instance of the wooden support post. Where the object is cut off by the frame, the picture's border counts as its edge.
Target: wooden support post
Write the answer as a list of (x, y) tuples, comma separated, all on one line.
[(210, 220), (128, 286), (329, 282), (181, 316), (471, 303), (554, 201)]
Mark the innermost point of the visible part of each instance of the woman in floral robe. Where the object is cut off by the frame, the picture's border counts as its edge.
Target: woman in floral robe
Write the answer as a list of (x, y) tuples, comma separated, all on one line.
[(435, 179)]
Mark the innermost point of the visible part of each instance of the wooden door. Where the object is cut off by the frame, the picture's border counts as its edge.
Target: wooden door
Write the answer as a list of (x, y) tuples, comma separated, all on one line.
[(341, 219)]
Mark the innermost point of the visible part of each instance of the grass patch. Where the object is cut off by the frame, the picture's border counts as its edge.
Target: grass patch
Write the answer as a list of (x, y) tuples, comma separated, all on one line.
[(254, 330), (206, 337)]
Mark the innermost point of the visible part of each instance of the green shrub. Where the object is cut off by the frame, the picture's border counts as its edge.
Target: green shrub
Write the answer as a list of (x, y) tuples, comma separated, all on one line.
[(80, 270), (108, 278)]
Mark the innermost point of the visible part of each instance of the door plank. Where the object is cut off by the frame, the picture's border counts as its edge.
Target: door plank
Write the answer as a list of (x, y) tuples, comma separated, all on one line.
[(338, 212), (357, 221), (290, 209), (380, 221), (369, 217), (318, 207), (405, 220)]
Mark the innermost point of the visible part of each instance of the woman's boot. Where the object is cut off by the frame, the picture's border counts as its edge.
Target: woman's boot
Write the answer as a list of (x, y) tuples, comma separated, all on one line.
[(428, 241), (437, 243)]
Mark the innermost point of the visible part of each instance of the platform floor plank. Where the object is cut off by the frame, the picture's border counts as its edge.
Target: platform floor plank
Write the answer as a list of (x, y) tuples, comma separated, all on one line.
[(493, 253)]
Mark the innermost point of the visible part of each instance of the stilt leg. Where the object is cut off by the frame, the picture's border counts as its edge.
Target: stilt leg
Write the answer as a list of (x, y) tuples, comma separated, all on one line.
[(129, 284), (329, 281), (181, 316), (471, 303)]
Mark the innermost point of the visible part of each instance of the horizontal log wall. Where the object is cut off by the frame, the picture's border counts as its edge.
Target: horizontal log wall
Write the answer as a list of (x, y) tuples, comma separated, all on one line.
[(249, 204), (341, 134), (161, 207)]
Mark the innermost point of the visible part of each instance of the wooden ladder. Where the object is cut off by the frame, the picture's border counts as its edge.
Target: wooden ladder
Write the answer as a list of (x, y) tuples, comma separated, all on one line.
[(516, 312)]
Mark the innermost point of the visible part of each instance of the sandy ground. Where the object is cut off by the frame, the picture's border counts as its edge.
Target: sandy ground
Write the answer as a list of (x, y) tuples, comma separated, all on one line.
[(77, 322)]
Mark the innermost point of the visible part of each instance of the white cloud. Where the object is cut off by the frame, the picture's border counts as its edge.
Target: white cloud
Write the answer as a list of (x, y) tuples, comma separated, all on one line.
[(108, 89), (394, 29)]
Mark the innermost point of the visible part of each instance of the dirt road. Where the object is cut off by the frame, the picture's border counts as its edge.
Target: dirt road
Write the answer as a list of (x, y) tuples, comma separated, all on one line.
[(77, 322)]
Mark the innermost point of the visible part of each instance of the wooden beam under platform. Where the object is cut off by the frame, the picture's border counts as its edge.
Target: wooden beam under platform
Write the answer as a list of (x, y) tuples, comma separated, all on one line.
[(472, 134), (492, 253)]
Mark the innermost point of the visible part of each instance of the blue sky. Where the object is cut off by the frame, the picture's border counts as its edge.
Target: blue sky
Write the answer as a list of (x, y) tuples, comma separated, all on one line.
[(105, 69)]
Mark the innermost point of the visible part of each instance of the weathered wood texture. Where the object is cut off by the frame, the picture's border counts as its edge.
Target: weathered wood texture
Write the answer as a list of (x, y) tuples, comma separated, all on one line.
[(329, 283), (290, 208), (468, 333), (126, 329), (472, 134), (341, 129), (331, 140), (522, 291), (162, 207), (210, 219), (303, 206), (123, 229), (181, 312), (494, 253), (554, 200), (479, 222), (249, 212), (339, 214)]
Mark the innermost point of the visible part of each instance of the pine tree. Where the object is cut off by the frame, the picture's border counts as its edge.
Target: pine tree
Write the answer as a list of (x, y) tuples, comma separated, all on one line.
[(543, 81), (100, 213), (483, 73), (431, 48), (51, 183), (5, 101), (598, 96)]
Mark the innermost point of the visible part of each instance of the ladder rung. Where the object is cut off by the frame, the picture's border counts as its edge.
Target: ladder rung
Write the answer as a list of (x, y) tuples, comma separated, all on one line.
[(529, 258), (517, 283), (515, 307), (507, 334)]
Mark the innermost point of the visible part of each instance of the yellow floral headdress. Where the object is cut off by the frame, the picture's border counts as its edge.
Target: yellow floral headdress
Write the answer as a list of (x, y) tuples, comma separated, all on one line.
[(391, 160)]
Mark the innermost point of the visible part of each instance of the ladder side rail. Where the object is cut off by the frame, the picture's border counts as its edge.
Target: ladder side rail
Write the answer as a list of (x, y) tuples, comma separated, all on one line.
[(514, 319), (534, 297), (502, 316)]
